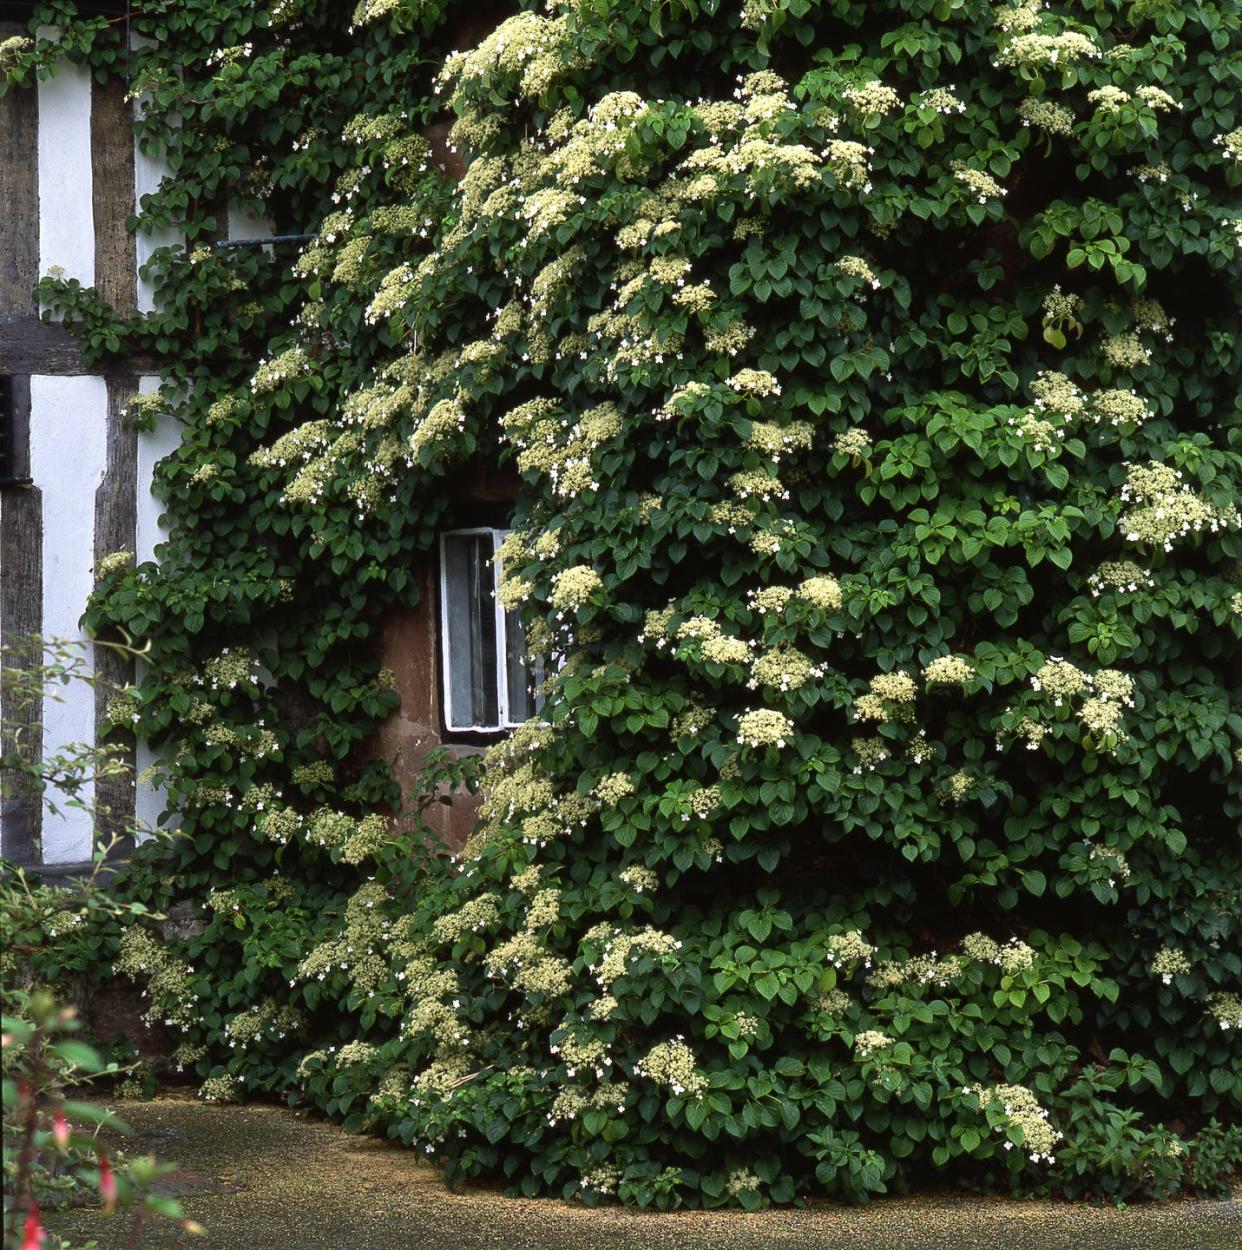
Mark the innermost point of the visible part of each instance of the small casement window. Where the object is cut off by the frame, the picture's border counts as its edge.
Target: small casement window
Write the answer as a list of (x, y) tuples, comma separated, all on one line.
[(489, 683)]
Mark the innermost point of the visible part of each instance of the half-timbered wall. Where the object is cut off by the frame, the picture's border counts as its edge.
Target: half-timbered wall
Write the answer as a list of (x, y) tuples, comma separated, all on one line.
[(78, 485)]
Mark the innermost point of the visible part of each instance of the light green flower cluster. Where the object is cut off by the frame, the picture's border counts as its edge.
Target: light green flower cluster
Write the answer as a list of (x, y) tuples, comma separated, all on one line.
[(1113, 861), (850, 163), (1054, 392), (1034, 52), (960, 785), (832, 1002), (888, 694), (142, 957), (1022, 1110), (233, 667), (848, 948), (224, 1088), (640, 879), (1170, 962), (572, 1100), (767, 599), (612, 789), (855, 443), (872, 98), (602, 1180), (775, 441), (741, 1181), (116, 562), (281, 825), (620, 948), (949, 670), (821, 592), (719, 649), (1119, 575), (187, 1054), (783, 668), (13, 49), (1052, 119), (61, 922), (756, 484), (871, 753), (1108, 99), (764, 727), (941, 100), (1165, 509), (544, 909), (869, 1041), (1124, 351), (474, 916), (1226, 1010), (1014, 956), (1059, 679), (673, 1064), (267, 1021), (981, 186), (579, 1053), (572, 588), (272, 374)]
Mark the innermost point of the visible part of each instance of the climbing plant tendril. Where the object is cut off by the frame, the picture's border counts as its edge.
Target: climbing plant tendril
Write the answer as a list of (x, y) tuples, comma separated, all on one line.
[(871, 371)]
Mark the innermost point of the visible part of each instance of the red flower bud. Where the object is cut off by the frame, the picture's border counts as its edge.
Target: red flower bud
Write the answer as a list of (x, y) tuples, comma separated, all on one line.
[(32, 1233), (107, 1183), (60, 1130)]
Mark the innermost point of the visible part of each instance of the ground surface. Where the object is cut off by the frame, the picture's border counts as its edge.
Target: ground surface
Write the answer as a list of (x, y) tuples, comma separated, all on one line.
[(259, 1178)]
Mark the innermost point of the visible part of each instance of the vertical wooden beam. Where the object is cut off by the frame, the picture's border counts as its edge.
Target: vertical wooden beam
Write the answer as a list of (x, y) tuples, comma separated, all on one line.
[(112, 180), (115, 530), (19, 194), (21, 615)]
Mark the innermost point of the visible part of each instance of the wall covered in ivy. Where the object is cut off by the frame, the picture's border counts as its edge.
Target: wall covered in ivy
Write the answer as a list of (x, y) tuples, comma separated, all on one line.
[(871, 371)]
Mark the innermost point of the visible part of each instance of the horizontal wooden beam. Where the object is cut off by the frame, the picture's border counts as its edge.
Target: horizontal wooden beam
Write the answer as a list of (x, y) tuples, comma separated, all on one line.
[(31, 346)]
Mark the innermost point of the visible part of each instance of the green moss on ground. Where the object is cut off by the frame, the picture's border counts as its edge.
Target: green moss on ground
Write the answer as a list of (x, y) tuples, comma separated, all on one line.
[(260, 1178)]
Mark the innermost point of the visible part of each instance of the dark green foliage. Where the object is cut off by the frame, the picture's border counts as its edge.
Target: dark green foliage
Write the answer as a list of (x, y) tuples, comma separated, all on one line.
[(881, 458)]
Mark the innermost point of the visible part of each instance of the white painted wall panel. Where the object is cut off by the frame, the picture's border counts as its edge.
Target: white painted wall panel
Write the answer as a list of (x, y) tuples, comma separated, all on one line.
[(148, 170), (149, 801), (66, 221), (246, 225), (68, 457), (152, 448)]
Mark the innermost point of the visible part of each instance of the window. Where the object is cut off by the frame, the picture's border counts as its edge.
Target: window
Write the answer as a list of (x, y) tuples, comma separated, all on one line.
[(489, 685)]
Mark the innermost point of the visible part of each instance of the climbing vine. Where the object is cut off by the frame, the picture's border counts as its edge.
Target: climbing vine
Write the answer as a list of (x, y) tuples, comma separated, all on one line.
[(871, 374)]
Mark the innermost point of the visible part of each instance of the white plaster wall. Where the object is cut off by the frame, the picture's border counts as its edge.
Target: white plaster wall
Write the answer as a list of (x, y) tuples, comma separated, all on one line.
[(68, 457), (152, 448), (245, 225), (66, 220), (149, 800), (148, 170)]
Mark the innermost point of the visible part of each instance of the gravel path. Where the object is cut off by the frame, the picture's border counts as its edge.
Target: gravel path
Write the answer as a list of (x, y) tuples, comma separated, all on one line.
[(260, 1178)]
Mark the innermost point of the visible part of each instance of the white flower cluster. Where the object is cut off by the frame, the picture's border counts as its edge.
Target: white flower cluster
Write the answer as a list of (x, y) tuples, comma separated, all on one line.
[(764, 727), (673, 1064)]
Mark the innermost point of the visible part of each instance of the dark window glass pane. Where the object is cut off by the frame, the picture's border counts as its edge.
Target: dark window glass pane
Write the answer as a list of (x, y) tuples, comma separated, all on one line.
[(521, 675), (470, 627)]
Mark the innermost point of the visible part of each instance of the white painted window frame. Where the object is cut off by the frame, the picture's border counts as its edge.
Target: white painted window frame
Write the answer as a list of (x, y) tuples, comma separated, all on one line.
[(502, 642)]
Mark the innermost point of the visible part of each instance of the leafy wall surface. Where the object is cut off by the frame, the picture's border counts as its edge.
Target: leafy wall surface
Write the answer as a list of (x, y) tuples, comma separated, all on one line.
[(872, 374)]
